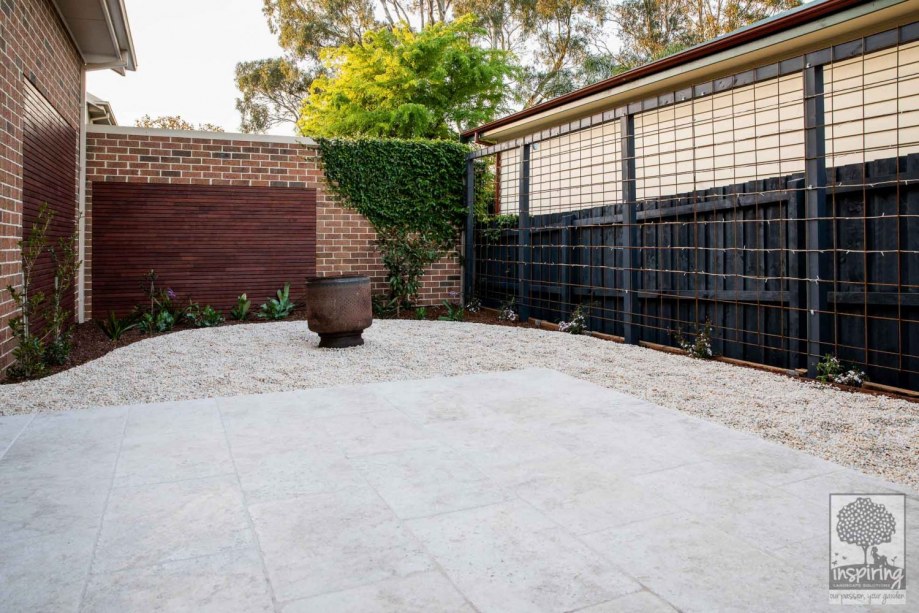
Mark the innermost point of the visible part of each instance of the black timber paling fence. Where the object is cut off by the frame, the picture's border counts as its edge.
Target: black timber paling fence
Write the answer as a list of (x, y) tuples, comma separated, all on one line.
[(787, 267)]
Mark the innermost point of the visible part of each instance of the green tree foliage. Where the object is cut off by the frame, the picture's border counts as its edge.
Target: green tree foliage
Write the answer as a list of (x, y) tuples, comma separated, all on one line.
[(406, 84), (557, 42), (558, 45), (272, 92), (305, 27), (652, 29), (174, 122), (552, 39)]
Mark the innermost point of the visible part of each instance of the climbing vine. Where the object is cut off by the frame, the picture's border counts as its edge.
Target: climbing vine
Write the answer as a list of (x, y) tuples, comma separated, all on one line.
[(411, 191), (400, 185)]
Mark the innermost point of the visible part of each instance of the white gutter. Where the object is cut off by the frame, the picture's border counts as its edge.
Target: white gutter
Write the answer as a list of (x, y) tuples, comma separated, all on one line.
[(104, 39)]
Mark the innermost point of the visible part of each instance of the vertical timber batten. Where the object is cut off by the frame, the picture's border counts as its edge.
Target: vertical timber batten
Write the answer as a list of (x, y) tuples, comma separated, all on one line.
[(629, 230), (817, 265), (469, 239), (524, 258)]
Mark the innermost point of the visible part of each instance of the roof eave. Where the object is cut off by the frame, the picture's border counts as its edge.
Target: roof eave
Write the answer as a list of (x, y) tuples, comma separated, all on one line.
[(101, 33)]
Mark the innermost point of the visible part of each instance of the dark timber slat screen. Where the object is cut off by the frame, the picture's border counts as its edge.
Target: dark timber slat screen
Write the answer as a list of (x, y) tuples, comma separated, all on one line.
[(753, 297), (207, 243)]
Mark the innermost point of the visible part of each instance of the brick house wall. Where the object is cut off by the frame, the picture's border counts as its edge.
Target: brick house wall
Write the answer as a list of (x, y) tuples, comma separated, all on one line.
[(344, 238), (34, 46)]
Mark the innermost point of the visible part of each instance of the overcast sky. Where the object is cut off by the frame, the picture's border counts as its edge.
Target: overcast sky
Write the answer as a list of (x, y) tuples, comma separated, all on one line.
[(186, 55)]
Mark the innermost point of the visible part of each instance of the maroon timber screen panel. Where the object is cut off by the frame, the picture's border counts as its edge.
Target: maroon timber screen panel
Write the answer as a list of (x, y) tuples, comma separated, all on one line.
[(207, 243), (49, 177)]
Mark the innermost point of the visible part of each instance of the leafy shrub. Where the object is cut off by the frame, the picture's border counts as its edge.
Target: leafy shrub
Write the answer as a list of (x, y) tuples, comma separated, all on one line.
[(701, 347), (58, 349), (113, 327), (577, 324), (163, 321), (29, 354), (278, 308), (60, 330), (405, 255), (29, 359), (203, 317), (831, 370), (241, 311), (453, 312), (474, 305), (421, 313)]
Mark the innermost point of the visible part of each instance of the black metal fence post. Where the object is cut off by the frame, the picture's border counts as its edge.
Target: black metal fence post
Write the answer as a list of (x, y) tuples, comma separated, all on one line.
[(818, 269), (524, 259), (629, 230), (469, 244)]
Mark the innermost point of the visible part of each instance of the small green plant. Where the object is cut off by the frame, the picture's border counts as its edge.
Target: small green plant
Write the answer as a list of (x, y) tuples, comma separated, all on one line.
[(831, 370), (203, 317), (241, 311), (421, 313), (60, 329), (452, 312), (474, 305), (577, 324), (383, 306), (163, 321), (700, 347), (113, 327), (405, 256), (508, 310), (160, 299), (28, 359), (278, 308)]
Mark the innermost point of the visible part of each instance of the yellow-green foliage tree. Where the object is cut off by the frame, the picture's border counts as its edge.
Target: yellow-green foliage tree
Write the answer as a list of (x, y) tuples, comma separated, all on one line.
[(406, 84)]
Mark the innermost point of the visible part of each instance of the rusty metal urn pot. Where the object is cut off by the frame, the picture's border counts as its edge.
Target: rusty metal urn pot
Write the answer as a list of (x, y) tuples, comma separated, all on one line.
[(338, 309)]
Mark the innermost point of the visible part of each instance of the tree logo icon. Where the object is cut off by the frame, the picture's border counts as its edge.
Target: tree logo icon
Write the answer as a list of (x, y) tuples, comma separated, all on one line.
[(865, 523), (867, 548)]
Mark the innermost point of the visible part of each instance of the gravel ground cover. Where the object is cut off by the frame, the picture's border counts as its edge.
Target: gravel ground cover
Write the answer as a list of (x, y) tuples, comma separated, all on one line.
[(875, 434)]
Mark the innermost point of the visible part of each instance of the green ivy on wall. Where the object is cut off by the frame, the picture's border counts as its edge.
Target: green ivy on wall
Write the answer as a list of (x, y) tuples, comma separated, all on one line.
[(405, 185)]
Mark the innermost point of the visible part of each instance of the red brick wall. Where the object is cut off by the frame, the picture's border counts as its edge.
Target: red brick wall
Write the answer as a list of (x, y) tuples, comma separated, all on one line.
[(344, 238), (34, 46)]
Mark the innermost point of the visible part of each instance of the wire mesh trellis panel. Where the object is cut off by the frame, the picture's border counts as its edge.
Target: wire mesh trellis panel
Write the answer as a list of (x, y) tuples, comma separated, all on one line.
[(779, 204)]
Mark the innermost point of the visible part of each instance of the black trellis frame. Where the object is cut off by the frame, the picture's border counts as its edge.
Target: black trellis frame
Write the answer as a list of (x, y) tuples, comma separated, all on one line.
[(817, 308)]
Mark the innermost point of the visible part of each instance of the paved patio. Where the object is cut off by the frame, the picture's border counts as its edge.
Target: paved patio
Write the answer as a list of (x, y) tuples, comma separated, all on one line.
[(519, 491)]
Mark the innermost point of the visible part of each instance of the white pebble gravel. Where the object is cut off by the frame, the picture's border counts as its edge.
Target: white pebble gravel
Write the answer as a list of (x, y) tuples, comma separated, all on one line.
[(875, 434)]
